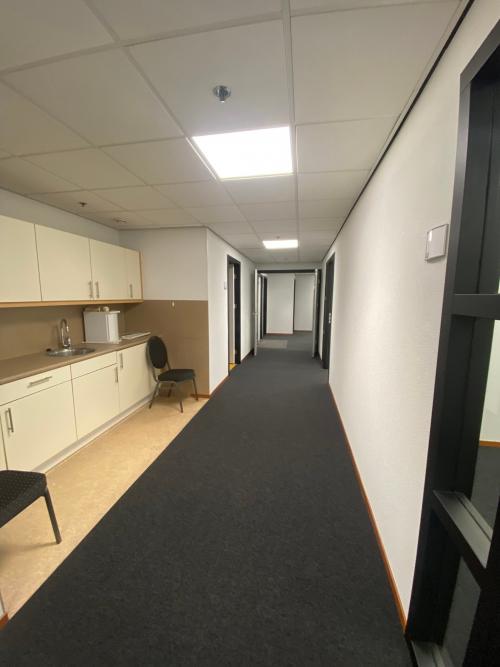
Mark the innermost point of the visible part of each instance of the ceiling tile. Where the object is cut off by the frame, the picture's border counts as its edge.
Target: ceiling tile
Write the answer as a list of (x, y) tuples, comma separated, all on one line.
[(132, 19), (348, 145), (261, 256), (325, 208), (344, 63), (255, 190), (319, 224), (223, 228), (121, 219), (270, 211), (317, 238), (205, 193), (170, 217), (100, 95), (241, 241), (236, 57), (30, 31), (309, 254), (4, 154), (22, 176), (170, 161), (285, 256), (325, 5), (134, 199), (332, 184), (267, 228), (71, 201), (24, 128), (90, 168), (209, 214)]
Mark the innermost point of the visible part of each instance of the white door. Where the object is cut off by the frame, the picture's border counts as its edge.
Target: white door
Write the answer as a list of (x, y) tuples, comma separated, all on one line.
[(64, 261), (19, 280), (108, 271), (133, 270), (135, 376), (38, 427), (96, 399)]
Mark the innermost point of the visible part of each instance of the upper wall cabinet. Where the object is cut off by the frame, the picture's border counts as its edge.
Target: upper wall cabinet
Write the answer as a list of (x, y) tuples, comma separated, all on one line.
[(133, 268), (19, 279), (64, 262), (108, 271)]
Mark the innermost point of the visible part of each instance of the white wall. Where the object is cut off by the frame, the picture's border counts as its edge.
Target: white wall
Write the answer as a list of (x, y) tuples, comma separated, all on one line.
[(280, 289), (304, 302), (17, 206), (282, 266), (174, 262), (217, 252), (387, 303)]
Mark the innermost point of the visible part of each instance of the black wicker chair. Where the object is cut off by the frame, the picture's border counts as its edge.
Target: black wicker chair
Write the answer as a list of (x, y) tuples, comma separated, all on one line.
[(18, 489), (158, 356)]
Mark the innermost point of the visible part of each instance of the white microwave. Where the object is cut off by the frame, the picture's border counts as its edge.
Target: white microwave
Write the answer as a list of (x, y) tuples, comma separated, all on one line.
[(101, 326)]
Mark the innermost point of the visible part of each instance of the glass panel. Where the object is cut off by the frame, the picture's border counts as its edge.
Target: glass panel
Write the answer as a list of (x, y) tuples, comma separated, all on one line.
[(461, 618), (486, 489)]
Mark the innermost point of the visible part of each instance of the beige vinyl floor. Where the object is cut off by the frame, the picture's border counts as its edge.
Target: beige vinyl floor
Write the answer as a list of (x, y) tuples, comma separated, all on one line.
[(83, 488)]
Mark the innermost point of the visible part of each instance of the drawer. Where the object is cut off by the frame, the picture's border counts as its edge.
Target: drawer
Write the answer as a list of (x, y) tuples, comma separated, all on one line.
[(30, 385), (90, 365)]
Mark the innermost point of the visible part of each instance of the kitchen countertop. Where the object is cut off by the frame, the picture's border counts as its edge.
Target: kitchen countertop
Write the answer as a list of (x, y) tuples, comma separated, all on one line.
[(17, 368)]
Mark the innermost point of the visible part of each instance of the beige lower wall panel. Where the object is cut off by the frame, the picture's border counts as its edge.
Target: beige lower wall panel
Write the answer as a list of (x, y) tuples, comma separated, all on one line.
[(184, 328)]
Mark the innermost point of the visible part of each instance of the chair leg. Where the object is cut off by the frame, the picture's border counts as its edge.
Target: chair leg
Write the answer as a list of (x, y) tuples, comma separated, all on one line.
[(52, 514), (195, 388), (155, 392), (180, 396)]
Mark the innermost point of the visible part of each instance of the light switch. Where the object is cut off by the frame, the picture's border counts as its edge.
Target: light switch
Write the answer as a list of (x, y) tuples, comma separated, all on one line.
[(437, 239)]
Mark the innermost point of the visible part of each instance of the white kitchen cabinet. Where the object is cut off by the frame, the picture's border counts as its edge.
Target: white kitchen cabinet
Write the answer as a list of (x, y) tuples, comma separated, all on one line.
[(96, 399), (108, 271), (133, 270), (38, 427), (135, 376), (64, 262), (19, 280)]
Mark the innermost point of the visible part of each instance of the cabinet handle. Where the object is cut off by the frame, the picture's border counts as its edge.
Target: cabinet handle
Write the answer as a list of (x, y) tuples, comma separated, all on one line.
[(97, 293), (91, 289), (116, 373), (9, 420), (131, 288), (121, 359), (36, 382)]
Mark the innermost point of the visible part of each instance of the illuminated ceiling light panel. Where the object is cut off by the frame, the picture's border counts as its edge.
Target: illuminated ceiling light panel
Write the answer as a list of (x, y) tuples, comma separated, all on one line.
[(248, 154), (281, 244)]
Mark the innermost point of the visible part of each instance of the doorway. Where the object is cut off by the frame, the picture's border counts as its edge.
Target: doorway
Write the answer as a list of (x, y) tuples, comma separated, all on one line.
[(233, 311), (454, 616), (327, 311)]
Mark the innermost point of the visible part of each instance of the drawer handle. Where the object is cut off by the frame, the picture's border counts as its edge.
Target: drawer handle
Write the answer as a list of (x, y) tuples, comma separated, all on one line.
[(9, 420), (116, 374), (121, 359), (37, 382)]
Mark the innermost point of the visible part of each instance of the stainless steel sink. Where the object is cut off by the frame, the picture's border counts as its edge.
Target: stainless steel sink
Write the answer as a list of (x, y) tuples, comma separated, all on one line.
[(70, 351)]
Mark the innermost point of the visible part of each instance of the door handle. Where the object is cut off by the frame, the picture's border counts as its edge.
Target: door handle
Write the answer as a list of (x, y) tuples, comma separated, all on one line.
[(116, 373), (97, 294), (121, 359), (9, 420)]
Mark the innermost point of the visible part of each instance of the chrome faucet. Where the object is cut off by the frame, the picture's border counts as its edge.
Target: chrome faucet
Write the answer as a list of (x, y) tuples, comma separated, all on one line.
[(65, 337)]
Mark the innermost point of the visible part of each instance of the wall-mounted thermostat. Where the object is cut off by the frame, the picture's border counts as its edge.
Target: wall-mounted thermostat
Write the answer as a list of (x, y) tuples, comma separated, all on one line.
[(437, 241)]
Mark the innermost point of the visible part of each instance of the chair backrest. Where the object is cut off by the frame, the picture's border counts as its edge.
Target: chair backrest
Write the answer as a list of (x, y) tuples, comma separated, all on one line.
[(157, 352)]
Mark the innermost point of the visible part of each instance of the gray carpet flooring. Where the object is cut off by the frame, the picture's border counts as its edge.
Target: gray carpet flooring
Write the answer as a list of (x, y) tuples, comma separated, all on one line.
[(245, 543)]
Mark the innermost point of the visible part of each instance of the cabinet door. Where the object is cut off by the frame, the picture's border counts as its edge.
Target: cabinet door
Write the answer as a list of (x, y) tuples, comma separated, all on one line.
[(108, 271), (133, 267), (96, 399), (19, 280), (38, 427), (136, 379), (64, 261)]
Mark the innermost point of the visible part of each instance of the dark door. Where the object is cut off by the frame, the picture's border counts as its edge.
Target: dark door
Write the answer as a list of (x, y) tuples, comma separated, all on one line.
[(234, 320), (454, 616), (327, 311)]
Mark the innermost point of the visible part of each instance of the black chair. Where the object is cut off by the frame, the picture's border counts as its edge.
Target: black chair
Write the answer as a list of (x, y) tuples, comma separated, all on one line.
[(158, 356), (18, 489)]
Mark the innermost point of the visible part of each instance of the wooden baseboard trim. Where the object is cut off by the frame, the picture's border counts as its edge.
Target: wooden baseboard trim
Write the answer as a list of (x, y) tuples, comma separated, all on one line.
[(390, 576), (3, 621), (489, 443)]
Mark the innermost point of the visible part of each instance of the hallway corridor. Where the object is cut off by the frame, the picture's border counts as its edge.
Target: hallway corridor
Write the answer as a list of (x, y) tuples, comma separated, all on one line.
[(245, 543)]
